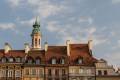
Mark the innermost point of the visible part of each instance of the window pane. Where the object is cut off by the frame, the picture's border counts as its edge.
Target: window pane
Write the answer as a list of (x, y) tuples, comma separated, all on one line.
[(33, 71), (27, 72), (18, 73)]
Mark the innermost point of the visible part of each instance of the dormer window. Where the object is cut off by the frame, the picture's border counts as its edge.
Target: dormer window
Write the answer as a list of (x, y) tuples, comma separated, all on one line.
[(29, 60), (53, 61), (62, 61), (18, 59), (80, 60), (37, 61), (11, 59), (4, 59)]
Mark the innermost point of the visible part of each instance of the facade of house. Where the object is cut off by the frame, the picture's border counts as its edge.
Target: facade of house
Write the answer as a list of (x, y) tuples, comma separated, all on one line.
[(68, 62), (105, 71)]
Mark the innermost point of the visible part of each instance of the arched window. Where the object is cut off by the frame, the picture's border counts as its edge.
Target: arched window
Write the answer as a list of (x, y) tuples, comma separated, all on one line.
[(79, 60), (38, 61), (11, 59), (53, 61), (35, 41), (30, 60), (39, 41), (3, 59)]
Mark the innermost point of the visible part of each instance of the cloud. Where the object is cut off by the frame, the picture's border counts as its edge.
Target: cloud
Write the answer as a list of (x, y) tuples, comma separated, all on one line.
[(7, 26), (14, 3), (44, 8), (113, 58), (27, 22), (115, 1), (88, 20)]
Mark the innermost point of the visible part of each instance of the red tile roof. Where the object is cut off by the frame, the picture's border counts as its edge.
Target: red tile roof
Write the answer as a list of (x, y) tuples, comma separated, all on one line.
[(76, 51)]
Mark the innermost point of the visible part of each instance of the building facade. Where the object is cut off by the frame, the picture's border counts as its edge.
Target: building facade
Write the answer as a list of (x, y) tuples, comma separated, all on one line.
[(68, 62), (105, 71)]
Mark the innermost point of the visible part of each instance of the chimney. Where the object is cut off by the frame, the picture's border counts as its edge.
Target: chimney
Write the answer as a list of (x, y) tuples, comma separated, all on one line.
[(27, 48), (7, 48), (90, 44), (68, 47), (46, 46)]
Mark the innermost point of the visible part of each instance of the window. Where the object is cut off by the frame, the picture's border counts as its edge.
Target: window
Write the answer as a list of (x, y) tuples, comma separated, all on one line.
[(79, 60), (53, 61), (11, 59), (64, 79), (63, 72), (10, 73), (35, 41), (80, 71), (3, 73), (38, 61), (56, 78), (30, 61), (18, 59), (62, 61), (4, 60), (49, 72), (105, 72), (33, 72), (27, 72), (99, 72), (17, 73), (57, 72), (39, 41), (41, 73)]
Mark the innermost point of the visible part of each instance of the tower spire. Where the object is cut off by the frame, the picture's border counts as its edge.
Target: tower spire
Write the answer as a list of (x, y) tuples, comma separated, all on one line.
[(36, 35)]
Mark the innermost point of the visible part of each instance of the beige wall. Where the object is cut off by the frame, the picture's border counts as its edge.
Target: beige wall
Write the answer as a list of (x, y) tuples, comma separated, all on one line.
[(38, 76)]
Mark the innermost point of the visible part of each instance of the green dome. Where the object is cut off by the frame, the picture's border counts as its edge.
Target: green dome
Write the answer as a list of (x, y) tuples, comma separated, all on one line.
[(36, 28)]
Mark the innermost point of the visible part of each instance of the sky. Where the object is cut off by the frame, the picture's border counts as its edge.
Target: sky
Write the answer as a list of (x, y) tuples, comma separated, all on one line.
[(61, 20)]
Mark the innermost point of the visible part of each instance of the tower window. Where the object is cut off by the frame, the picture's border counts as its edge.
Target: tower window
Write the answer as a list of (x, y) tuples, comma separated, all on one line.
[(39, 41), (35, 41)]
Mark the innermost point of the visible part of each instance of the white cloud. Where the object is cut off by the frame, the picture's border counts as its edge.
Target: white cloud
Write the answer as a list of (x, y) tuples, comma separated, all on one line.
[(113, 58), (5, 26), (89, 20), (44, 8), (27, 22), (14, 3), (115, 1)]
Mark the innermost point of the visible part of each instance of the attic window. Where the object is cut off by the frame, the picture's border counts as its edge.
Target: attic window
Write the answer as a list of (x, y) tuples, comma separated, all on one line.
[(53, 61), (18, 59), (30, 61), (11, 59), (80, 60), (62, 61), (4, 60), (37, 61)]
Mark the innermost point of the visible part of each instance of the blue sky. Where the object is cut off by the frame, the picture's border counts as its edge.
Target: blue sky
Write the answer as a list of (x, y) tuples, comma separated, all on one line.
[(77, 20)]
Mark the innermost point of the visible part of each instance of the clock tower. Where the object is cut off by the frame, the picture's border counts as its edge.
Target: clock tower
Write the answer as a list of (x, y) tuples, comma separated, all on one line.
[(36, 36)]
